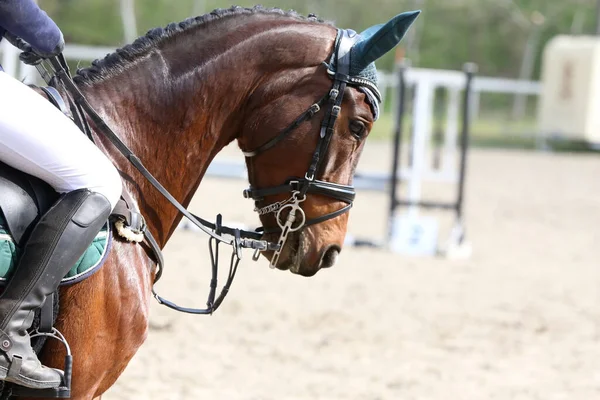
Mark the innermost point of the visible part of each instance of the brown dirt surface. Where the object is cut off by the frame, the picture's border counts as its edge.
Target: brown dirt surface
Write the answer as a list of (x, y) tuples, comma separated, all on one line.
[(520, 319)]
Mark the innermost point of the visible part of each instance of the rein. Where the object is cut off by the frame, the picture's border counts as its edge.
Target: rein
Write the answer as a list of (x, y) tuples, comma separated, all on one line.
[(241, 238), (56, 70)]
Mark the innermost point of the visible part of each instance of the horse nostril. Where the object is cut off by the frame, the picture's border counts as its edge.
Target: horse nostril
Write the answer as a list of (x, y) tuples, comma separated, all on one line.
[(330, 256)]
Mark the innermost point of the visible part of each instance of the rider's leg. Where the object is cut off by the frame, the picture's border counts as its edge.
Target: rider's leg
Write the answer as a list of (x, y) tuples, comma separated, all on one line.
[(36, 138)]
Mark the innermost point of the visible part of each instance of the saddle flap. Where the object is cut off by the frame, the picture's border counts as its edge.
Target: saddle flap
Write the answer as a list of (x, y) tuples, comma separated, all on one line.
[(23, 199)]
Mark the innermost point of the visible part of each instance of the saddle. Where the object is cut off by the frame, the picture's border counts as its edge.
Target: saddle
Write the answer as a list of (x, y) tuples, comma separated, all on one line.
[(23, 199)]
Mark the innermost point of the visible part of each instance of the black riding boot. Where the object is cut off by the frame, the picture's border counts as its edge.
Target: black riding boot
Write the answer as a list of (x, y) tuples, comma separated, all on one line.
[(56, 243)]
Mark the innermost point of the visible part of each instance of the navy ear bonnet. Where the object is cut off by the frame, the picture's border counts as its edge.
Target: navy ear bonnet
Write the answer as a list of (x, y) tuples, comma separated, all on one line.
[(368, 46)]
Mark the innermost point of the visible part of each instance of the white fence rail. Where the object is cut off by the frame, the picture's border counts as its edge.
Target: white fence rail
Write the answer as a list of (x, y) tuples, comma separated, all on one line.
[(456, 80)]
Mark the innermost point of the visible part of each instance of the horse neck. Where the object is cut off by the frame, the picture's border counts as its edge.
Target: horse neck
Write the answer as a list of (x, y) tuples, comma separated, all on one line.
[(176, 117)]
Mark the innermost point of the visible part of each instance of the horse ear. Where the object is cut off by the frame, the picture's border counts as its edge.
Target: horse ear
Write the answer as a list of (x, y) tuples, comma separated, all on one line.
[(379, 39)]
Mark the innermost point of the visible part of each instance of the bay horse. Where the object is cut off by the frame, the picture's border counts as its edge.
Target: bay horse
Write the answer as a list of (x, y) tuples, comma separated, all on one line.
[(176, 97)]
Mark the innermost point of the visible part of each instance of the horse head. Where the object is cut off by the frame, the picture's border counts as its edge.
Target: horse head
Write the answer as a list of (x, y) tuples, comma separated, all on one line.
[(299, 95), (303, 137)]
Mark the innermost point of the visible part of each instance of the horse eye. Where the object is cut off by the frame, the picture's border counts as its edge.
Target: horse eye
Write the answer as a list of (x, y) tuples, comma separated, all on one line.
[(357, 128)]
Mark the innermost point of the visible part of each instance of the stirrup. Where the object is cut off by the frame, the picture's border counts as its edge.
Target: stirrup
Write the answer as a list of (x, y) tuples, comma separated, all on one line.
[(61, 392)]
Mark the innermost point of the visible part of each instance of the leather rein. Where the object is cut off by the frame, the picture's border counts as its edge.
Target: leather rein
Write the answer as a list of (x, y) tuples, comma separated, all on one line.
[(56, 70)]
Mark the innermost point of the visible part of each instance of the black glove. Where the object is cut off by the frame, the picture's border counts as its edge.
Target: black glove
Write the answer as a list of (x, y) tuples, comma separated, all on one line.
[(17, 41), (30, 58), (30, 55)]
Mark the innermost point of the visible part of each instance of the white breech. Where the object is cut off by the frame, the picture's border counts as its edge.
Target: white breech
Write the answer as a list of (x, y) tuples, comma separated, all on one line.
[(35, 137)]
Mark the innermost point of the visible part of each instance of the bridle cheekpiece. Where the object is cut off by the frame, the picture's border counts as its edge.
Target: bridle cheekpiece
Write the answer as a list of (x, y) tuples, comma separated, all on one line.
[(338, 70)]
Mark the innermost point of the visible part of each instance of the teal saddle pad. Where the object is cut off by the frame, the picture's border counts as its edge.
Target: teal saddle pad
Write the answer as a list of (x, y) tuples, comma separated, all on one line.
[(88, 263)]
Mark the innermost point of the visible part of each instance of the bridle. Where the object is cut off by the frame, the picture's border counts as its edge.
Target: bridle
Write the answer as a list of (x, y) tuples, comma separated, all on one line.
[(56, 72), (339, 70)]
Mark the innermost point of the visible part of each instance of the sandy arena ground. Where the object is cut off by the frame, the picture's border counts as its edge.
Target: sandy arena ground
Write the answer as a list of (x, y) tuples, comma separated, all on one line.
[(519, 320)]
